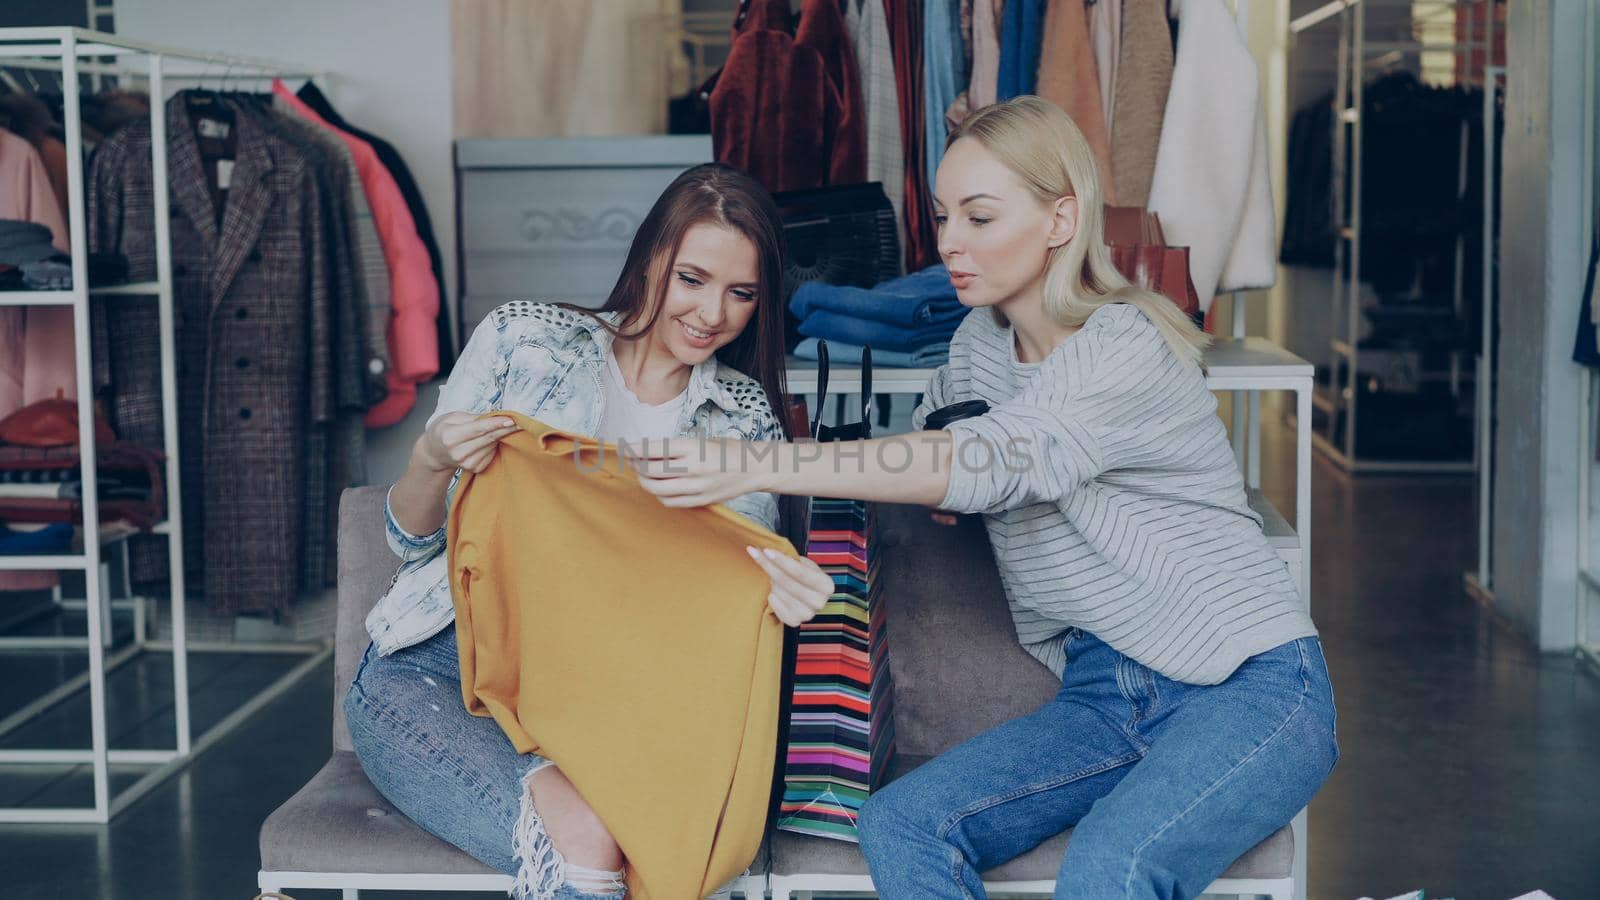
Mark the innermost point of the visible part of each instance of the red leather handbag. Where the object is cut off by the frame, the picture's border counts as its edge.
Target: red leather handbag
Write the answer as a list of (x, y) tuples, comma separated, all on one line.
[(1139, 251)]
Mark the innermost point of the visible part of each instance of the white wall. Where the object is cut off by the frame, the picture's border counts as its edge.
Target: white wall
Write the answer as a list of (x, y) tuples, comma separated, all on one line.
[(388, 65), (1541, 278)]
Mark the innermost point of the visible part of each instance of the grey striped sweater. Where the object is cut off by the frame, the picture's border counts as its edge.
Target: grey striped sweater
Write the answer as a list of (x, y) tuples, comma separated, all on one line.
[(1113, 499)]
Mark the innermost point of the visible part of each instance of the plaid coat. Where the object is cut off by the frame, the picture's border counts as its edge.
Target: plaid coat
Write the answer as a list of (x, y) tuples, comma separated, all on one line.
[(255, 330)]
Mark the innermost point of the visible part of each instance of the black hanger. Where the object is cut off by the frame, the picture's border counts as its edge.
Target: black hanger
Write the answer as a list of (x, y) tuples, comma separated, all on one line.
[(854, 431), (822, 388)]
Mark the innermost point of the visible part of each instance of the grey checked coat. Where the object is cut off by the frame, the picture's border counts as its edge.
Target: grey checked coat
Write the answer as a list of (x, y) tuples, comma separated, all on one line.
[(257, 374)]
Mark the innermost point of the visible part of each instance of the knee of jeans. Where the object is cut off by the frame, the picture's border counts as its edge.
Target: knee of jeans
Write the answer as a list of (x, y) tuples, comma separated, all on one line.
[(886, 818), (542, 871), (869, 822)]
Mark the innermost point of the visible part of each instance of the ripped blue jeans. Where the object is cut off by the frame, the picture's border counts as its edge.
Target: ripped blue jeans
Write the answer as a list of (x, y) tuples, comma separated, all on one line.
[(455, 774)]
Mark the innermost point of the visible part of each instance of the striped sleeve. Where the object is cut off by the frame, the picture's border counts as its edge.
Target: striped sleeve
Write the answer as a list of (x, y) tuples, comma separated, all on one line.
[(947, 386), (938, 393), (1090, 410)]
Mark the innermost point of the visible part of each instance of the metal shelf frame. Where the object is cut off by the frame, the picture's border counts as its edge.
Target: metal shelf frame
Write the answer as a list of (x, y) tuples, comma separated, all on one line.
[(74, 53), (1342, 396)]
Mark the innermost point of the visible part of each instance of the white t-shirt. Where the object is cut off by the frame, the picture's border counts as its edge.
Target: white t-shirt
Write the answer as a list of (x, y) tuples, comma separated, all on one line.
[(627, 418)]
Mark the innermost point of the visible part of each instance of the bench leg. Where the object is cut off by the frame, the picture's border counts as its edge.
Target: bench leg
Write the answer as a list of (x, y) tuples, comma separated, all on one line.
[(352, 893)]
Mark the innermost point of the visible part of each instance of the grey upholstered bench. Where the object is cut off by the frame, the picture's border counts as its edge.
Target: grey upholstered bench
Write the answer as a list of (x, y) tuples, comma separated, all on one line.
[(337, 832)]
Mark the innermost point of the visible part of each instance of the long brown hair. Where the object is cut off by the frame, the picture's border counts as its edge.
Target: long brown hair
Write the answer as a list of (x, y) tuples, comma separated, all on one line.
[(714, 194)]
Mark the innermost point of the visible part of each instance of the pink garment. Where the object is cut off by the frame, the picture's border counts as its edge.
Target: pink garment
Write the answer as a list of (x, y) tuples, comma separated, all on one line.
[(413, 329), (25, 191), (36, 350), (983, 85), (38, 360)]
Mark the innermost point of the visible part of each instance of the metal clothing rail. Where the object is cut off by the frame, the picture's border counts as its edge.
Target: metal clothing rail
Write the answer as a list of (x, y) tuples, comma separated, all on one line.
[(65, 50), (1480, 582)]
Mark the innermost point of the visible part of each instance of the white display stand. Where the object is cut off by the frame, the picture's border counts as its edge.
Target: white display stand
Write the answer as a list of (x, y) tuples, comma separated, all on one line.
[(74, 52)]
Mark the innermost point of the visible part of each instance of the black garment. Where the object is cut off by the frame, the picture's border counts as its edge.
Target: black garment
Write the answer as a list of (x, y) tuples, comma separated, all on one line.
[(1584, 349), (1308, 230), (1414, 210), (1411, 158), (391, 159)]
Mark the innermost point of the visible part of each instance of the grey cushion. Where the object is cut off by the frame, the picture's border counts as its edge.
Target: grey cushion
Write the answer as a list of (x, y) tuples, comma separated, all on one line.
[(957, 666), (366, 564), (802, 854), (958, 669), (339, 822)]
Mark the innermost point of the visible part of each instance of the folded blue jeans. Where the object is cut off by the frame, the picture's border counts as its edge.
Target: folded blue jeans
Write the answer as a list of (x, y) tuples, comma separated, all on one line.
[(831, 326), (929, 357), (919, 299), (1165, 783)]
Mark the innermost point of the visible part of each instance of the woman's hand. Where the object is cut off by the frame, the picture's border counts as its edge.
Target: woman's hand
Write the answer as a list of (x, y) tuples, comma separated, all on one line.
[(799, 586), (705, 471), (462, 440), (944, 518)]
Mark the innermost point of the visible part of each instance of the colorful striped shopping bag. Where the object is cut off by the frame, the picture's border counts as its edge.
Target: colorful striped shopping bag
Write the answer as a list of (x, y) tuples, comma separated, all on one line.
[(840, 716)]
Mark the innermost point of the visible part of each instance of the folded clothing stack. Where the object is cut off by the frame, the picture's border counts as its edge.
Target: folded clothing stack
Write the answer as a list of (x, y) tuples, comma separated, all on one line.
[(43, 485), (930, 357), (40, 267), (63, 483), (41, 473), (907, 321), (17, 539)]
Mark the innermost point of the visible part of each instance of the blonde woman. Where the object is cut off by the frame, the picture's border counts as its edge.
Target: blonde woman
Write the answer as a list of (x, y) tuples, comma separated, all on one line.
[(1195, 715)]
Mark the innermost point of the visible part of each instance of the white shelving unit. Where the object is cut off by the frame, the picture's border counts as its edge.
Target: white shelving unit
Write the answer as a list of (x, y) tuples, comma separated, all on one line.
[(1339, 401), (72, 53)]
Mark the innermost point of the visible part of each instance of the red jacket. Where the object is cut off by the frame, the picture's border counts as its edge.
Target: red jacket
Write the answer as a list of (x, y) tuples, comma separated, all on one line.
[(413, 328), (787, 108)]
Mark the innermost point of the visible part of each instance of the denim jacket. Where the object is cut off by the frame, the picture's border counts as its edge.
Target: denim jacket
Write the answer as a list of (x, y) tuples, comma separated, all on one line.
[(546, 361)]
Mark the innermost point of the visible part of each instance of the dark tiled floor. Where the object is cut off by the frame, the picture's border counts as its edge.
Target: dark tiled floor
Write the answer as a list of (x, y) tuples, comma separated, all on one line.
[(1471, 764)]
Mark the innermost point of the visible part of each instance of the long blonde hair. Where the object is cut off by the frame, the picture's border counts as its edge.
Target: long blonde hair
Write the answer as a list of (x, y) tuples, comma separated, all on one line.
[(1039, 142)]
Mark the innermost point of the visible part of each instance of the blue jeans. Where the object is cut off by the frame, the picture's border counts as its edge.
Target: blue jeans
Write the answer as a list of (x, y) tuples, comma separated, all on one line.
[(454, 774), (1166, 783), (914, 300)]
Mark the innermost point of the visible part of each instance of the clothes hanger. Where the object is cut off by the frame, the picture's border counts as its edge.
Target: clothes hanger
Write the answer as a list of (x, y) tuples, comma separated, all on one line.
[(822, 388)]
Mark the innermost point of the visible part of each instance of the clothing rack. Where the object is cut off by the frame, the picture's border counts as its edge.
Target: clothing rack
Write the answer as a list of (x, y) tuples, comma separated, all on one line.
[(73, 53), (1340, 398)]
